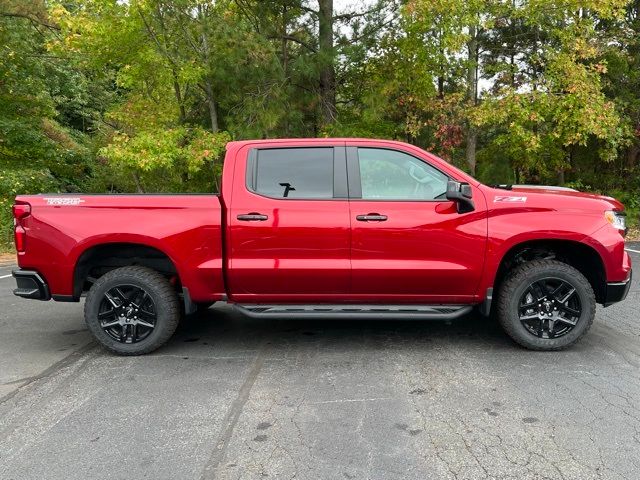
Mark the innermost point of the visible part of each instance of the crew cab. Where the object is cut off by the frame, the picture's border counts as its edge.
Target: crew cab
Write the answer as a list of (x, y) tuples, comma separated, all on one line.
[(355, 228)]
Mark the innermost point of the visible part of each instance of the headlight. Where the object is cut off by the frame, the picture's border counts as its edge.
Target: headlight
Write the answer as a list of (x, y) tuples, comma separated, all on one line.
[(618, 220)]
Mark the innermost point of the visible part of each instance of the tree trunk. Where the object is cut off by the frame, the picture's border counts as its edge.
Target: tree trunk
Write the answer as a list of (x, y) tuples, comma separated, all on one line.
[(470, 153), (178, 93), (441, 67), (208, 85), (326, 58), (472, 97), (213, 112), (633, 154), (136, 179), (561, 171), (285, 60), (285, 49)]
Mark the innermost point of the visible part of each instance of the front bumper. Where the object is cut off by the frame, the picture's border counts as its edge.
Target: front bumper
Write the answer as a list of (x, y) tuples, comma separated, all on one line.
[(31, 285), (617, 291)]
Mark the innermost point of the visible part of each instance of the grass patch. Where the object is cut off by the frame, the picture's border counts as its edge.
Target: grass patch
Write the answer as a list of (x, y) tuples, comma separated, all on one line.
[(6, 225)]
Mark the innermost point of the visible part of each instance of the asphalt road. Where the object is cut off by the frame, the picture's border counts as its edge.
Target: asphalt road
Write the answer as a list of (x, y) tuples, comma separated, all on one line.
[(235, 398)]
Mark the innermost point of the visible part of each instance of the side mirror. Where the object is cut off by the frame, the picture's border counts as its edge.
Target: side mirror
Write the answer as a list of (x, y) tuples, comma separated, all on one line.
[(460, 193)]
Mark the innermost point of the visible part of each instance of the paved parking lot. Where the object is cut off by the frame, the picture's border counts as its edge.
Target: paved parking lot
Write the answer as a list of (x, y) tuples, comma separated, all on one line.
[(235, 398)]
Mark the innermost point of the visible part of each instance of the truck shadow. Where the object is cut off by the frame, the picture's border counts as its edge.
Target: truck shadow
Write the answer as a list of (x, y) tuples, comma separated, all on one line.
[(226, 330)]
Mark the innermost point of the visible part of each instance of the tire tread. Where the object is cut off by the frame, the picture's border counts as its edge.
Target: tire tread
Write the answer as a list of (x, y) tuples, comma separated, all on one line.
[(155, 281), (519, 275)]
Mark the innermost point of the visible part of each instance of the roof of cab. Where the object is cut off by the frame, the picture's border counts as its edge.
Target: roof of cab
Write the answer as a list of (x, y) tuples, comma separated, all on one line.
[(321, 140)]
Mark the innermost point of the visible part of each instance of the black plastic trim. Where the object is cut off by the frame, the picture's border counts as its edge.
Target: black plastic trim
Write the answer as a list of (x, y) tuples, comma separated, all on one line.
[(340, 188), (353, 173), (189, 306), (252, 167), (30, 285), (617, 291), (485, 308), (64, 298), (433, 312)]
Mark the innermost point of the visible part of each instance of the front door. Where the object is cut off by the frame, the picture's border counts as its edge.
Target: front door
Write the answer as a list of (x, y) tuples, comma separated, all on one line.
[(289, 225), (409, 243)]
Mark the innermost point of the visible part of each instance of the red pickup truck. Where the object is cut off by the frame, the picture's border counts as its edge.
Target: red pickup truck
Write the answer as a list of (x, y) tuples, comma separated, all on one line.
[(353, 228)]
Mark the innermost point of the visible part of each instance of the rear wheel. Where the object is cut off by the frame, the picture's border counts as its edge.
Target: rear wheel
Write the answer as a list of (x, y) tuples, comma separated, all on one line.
[(546, 305), (132, 310)]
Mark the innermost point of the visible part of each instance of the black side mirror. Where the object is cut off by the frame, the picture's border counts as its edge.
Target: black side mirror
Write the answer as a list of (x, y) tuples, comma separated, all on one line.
[(460, 193)]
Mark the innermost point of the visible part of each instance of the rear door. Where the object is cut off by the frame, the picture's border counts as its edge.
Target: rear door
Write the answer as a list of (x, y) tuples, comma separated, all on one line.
[(409, 243), (289, 226)]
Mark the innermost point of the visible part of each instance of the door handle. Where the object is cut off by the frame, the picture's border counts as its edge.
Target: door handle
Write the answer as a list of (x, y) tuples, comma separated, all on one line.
[(371, 217), (252, 217)]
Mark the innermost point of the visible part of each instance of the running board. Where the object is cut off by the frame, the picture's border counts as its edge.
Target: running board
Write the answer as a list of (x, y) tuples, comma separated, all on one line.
[(435, 312)]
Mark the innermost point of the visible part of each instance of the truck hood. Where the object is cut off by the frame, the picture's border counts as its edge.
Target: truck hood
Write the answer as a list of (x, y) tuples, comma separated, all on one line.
[(555, 197)]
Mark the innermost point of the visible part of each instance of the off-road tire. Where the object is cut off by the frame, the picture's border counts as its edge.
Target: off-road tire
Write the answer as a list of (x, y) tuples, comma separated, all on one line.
[(161, 292), (515, 284)]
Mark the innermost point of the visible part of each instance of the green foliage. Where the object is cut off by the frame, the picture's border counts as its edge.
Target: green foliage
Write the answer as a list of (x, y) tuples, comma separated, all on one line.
[(14, 182), (167, 160), (46, 108), (142, 95), (564, 106)]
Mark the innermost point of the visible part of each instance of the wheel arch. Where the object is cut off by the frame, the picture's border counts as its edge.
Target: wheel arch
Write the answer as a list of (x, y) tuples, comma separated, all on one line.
[(579, 255), (98, 259)]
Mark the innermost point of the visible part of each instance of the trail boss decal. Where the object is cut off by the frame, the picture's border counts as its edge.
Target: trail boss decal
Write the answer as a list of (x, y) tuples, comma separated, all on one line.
[(63, 201), (509, 199)]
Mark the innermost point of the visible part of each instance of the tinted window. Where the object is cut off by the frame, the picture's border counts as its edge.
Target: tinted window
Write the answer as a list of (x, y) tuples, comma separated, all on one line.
[(393, 175), (295, 172)]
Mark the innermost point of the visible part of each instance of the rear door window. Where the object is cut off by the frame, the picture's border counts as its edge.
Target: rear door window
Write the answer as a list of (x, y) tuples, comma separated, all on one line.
[(303, 173)]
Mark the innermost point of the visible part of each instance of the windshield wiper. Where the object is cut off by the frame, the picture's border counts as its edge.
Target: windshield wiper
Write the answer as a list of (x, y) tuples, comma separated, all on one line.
[(503, 186)]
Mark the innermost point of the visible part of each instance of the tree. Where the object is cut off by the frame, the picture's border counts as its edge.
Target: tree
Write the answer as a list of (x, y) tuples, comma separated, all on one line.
[(48, 109), (551, 101), (169, 60), (141, 95)]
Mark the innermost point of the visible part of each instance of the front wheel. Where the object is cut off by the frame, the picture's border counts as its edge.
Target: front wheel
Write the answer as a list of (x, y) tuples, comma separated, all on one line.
[(132, 310), (546, 305)]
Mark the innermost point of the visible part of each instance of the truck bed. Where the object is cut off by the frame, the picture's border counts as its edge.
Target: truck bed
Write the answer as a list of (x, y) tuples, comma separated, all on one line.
[(185, 228)]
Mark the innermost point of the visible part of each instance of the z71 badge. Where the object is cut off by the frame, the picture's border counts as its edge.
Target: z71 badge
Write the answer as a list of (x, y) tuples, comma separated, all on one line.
[(63, 201), (509, 199)]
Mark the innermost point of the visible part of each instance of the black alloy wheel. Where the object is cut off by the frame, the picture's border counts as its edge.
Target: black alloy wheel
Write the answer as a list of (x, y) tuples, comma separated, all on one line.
[(550, 308), (127, 313), (132, 310), (545, 304)]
